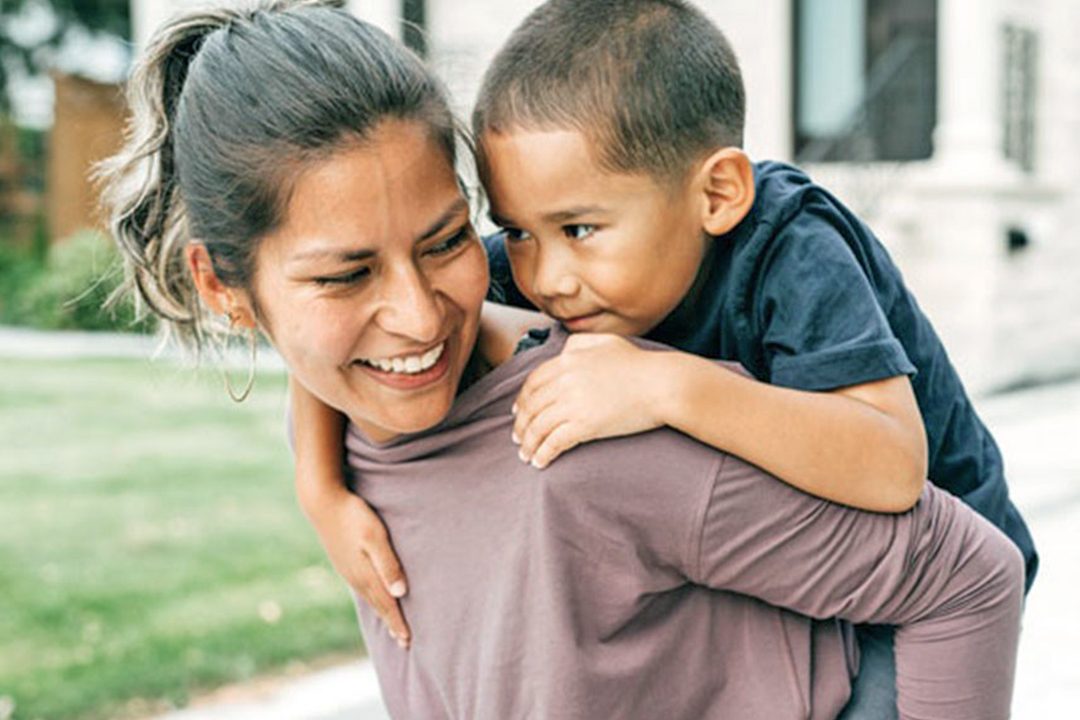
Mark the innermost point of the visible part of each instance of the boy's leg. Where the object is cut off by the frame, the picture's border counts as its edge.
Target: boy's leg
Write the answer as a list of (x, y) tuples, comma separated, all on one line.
[(873, 694)]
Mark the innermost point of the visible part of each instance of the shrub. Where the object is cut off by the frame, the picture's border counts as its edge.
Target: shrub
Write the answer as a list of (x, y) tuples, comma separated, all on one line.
[(69, 291)]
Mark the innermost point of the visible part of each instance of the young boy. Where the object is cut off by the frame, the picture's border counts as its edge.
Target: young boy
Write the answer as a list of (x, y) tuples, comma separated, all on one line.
[(609, 134)]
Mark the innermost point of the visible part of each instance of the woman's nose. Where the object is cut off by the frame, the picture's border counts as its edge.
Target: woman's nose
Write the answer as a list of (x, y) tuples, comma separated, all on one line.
[(411, 308)]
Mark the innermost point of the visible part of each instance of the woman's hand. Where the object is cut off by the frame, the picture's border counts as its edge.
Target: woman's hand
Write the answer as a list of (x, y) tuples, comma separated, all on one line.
[(599, 386), (358, 546)]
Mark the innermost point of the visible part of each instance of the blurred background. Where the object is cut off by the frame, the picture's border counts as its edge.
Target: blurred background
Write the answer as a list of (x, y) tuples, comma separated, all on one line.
[(150, 550)]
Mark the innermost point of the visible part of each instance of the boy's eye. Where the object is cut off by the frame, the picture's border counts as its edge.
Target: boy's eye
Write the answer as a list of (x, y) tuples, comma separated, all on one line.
[(349, 278), (578, 232), (514, 234), (451, 243)]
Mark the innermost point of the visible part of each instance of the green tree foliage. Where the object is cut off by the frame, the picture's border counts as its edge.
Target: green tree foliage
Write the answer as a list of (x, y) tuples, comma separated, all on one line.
[(108, 16)]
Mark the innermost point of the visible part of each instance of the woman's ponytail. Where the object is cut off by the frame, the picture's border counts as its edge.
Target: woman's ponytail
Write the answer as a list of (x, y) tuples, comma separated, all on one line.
[(146, 214)]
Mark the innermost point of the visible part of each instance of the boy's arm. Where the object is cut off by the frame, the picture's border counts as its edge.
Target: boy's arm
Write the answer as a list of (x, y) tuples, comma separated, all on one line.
[(353, 536), (862, 446), (502, 327), (950, 581)]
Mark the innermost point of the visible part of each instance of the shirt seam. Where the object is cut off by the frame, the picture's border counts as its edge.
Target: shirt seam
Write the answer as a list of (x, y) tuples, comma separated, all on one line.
[(696, 537)]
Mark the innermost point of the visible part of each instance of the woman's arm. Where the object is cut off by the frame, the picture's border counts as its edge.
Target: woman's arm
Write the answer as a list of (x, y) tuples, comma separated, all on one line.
[(353, 536)]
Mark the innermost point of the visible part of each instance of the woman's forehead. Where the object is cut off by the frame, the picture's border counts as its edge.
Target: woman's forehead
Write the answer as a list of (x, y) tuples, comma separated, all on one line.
[(397, 187)]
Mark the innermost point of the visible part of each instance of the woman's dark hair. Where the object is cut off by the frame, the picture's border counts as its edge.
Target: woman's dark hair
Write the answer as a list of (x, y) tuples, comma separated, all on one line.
[(227, 106), (653, 84)]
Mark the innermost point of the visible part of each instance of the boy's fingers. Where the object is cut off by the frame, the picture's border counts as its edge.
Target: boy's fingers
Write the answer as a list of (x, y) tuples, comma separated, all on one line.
[(539, 429), (527, 412), (558, 441), (537, 379)]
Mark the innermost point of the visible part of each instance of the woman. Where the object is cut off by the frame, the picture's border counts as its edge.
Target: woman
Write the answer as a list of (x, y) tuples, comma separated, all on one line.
[(293, 170)]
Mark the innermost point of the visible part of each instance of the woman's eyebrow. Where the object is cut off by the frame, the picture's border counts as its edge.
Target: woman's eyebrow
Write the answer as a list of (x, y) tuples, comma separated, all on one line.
[(342, 255), (459, 206)]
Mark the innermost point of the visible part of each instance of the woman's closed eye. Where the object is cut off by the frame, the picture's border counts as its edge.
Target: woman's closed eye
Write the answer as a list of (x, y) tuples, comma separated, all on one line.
[(350, 278), (451, 243)]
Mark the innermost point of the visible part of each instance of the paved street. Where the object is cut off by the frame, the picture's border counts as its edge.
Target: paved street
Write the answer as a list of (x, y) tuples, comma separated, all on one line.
[(1038, 430)]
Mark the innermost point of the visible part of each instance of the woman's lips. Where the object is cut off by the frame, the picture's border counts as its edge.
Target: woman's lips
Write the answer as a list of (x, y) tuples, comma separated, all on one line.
[(406, 381)]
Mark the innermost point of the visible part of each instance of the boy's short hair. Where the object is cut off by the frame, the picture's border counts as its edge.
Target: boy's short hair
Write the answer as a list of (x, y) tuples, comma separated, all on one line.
[(653, 84)]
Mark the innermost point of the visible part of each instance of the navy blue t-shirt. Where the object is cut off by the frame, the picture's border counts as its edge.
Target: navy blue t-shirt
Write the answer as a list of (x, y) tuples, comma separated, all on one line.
[(803, 295)]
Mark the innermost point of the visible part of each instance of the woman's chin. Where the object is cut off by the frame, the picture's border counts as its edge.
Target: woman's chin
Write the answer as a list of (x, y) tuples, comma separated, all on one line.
[(426, 414)]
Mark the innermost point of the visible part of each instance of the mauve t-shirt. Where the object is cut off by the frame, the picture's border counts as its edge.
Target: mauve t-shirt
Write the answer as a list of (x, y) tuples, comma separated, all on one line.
[(645, 577)]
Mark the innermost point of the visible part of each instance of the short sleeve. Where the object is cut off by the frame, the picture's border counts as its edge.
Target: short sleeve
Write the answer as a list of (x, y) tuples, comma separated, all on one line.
[(819, 320)]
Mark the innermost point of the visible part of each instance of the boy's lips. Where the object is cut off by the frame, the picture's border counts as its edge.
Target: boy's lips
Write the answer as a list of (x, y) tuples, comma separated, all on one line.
[(579, 322)]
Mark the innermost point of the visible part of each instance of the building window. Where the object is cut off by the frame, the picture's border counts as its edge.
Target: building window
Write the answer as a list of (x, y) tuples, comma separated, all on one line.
[(865, 79), (1018, 97), (414, 25)]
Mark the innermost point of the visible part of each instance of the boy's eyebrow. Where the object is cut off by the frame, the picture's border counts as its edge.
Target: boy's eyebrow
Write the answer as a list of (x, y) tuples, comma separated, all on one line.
[(434, 229), (571, 213), (555, 217), (499, 219)]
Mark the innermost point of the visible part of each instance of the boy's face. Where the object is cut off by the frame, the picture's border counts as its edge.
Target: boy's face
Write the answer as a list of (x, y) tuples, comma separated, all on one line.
[(599, 251)]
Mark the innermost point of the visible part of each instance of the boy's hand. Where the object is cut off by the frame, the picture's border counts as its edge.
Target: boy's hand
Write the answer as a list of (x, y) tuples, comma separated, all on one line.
[(599, 386), (358, 546)]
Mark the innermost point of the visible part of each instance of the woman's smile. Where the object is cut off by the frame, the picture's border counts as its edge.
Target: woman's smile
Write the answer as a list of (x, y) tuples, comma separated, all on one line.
[(409, 372)]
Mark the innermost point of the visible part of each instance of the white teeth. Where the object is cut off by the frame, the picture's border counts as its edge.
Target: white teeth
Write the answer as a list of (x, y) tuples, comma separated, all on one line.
[(431, 356), (410, 364)]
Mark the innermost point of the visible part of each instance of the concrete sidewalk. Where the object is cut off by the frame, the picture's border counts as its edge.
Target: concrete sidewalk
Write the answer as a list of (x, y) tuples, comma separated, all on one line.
[(1039, 433), (348, 692), (27, 343)]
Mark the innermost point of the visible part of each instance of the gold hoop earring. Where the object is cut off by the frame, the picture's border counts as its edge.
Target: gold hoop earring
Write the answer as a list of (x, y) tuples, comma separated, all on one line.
[(250, 383)]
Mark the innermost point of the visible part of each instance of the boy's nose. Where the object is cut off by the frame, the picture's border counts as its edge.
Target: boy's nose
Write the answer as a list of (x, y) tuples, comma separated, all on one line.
[(554, 276)]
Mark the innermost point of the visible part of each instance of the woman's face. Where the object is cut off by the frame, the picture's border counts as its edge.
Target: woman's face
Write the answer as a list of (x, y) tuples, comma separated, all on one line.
[(372, 287)]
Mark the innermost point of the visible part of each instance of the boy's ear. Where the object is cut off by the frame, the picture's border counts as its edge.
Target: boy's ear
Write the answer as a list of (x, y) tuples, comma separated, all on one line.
[(220, 298), (726, 183)]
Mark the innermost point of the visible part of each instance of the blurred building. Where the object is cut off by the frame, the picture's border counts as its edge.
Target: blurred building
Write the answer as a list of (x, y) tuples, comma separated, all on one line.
[(951, 126), (71, 117), (87, 127)]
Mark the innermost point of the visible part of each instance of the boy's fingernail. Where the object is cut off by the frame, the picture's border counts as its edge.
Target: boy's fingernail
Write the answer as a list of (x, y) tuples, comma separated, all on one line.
[(523, 456), (398, 589), (403, 643), (514, 438), (536, 464), (513, 409)]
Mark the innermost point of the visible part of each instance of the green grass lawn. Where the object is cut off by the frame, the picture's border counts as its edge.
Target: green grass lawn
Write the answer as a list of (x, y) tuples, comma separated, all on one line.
[(150, 545)]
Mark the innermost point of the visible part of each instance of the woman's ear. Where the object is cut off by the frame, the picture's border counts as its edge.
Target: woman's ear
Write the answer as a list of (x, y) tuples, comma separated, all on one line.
[(726, 183), (221, 299)]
